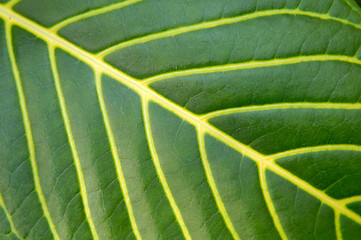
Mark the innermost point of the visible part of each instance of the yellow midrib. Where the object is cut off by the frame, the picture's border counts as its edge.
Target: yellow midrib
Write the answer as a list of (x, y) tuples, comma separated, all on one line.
[(132, 83)]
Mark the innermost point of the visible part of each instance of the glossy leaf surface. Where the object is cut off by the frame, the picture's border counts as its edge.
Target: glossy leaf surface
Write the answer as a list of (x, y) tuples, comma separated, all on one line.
[(159, 119)]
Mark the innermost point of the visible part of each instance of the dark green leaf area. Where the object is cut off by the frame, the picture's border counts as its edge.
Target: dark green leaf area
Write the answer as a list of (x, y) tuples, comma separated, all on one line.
[(150, 204), (313, 81), (238, 182), (56, 168), (355, 206), (301, 215), (338, 173), (148, 17), (276, 130), (80, 96), (16, 178), (350, 230), (261, 38)]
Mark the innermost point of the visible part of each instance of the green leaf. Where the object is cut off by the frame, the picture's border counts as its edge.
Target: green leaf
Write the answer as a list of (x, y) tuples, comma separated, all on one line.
[(183, 119)]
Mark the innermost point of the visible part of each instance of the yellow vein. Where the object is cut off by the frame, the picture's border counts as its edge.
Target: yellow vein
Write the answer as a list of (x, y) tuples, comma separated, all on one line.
[(354, 6), (271, 208), (338, 225), (335, 147), (92, 13), (11, 3), (219, 22), (29, 136), (212, 184), (252, 65), (297, 105), (348, 200), (132, 83), (83, 191), (160, 173), (8, 216), (116, 158)]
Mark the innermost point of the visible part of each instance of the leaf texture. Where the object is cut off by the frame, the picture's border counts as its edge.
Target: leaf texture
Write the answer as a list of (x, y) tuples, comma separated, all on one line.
[(160, 119)]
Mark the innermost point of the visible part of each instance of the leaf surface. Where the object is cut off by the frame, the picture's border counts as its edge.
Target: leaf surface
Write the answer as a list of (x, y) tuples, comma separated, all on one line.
[(161, 119)]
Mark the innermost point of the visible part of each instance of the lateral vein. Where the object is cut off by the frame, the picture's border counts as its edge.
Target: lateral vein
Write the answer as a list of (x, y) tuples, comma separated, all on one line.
[(252, 65), (212, 184), (269, 203), (220, 22), (11, 3), (83, 191), (349, 200), (116, 158), (92, 13), (352, 6), (28, 133), (338, 225), (334, 147), (160, 173)]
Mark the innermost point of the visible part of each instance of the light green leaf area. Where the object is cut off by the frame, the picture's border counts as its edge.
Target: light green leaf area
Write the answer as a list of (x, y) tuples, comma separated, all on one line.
[(180, 119)]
